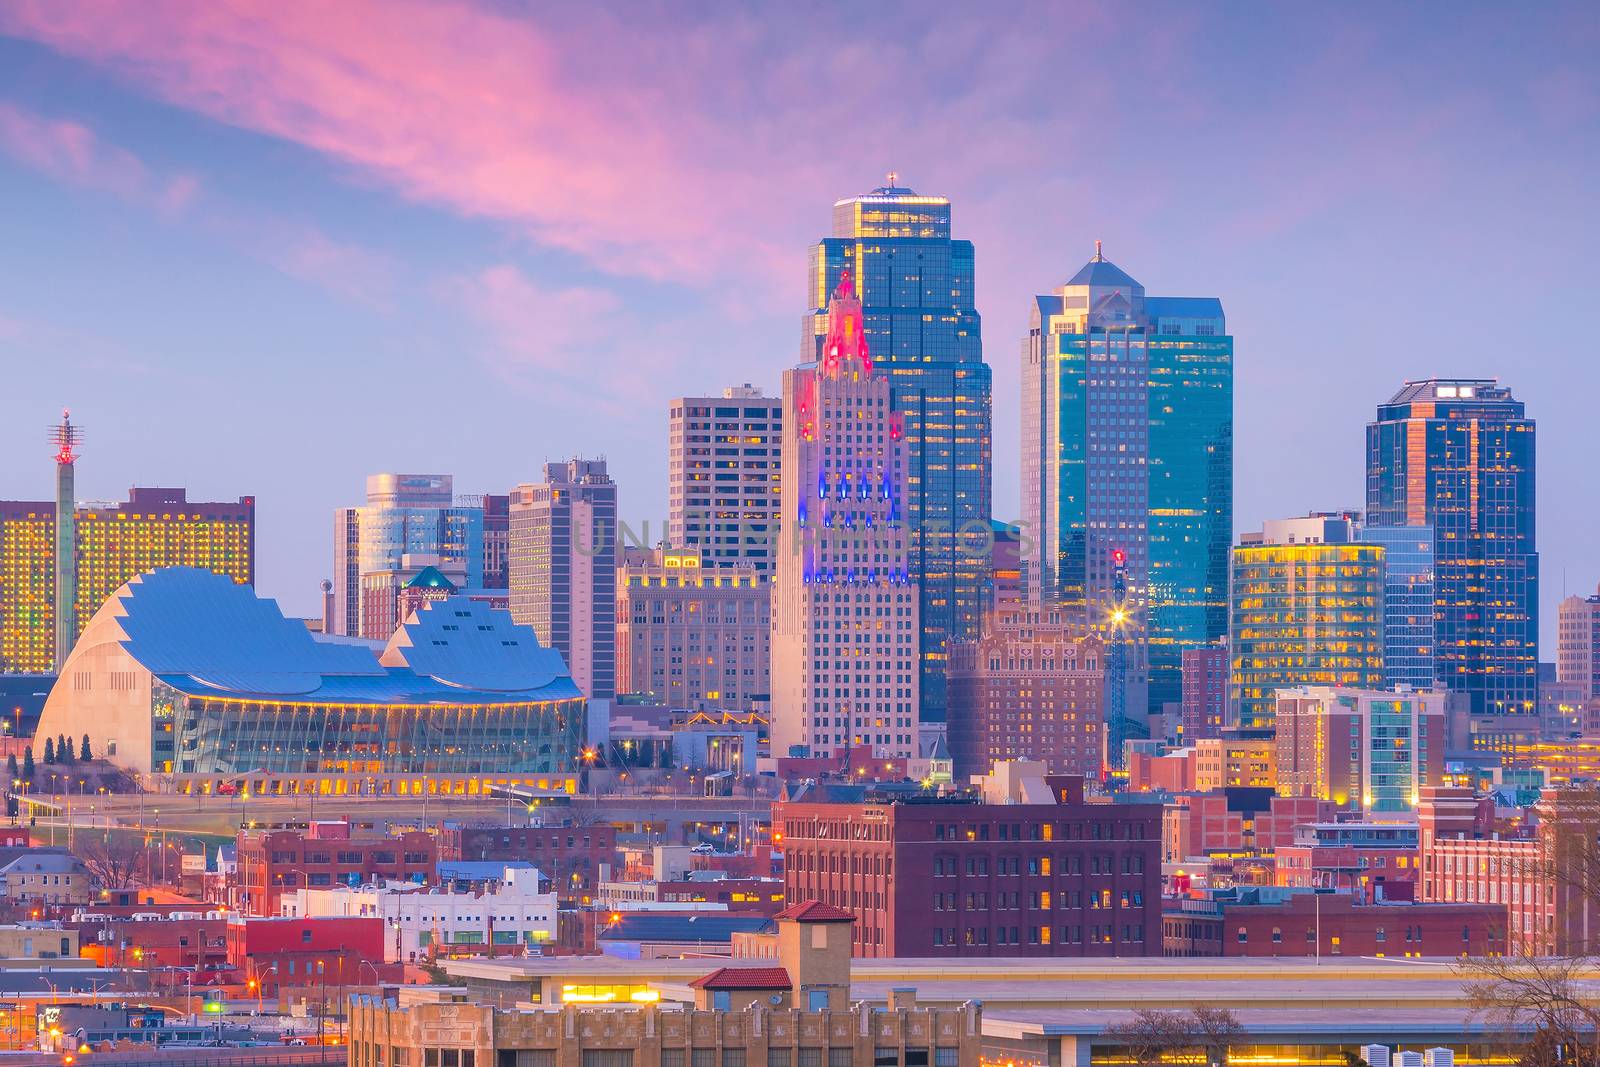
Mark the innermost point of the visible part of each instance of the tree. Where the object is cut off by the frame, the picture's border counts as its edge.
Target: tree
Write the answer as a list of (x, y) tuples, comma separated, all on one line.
[(1547, 992), (114, 860), (83, 749), (1147, 1036), (49, 750), (11, 767), (1214, 1031), (64, 751), (1151, 1035), (27, 763)]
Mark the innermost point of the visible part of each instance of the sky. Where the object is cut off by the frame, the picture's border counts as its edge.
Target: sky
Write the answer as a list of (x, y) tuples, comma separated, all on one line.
[(269, 248)]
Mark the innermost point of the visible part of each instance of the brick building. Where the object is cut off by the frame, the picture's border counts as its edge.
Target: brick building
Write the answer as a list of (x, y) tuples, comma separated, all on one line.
[(1365, 749), (1274, 922), (693, 637), (1359, 856), (1242, 759), (325, 855), (280, 952), (1032, 687), (1205, 691), (1237, 819), (570, 856), (1023, 866), (1549, 914)]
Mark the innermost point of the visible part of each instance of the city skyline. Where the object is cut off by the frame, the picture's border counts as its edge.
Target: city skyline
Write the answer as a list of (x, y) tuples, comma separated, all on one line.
[(518, 298)]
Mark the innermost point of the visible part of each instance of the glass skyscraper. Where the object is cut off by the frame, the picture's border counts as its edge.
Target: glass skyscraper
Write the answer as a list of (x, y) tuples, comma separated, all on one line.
[(1407, 603), (1458, 455), (922, 329), (1127, 457)]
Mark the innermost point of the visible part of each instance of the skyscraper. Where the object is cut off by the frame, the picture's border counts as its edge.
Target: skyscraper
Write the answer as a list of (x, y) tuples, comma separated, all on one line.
[(1307, 611), (406, 515), (844, 603), (1127, 470), (722, 477), (110, 543), (915, 285), (1457, 455), (1407, 603), (1578, 644), (563, 568)]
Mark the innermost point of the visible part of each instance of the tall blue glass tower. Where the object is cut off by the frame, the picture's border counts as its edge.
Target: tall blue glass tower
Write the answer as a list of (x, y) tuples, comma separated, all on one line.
[(916, 289), (1457, 455), (1127, 472)]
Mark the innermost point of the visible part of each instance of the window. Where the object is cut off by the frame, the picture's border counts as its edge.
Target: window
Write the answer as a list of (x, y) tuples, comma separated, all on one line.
[(733, 1057), (841, 1057), (607, 1057), (776, 1057), (1243, 935), (670, 1057), (703, 1057), (1277, 936), (886, 1057), (944, 1057)]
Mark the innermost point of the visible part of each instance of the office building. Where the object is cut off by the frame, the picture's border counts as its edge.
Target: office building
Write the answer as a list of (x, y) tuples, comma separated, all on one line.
[(496, 540), (563, 568), (916, 286), (1127, 471), (1578, 645), (1205, 691), (1232, 761), (1365, 857), (844, 634), (1365, 750), (691, 636), (1021, 866), (110, 544), (409, 521), (1457, 455), (187, 674), (1407, 604), (1307, 610), (722, 477), (1031, 688), (1005, 569)]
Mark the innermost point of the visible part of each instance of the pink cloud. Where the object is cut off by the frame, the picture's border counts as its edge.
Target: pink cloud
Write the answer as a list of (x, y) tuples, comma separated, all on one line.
[(69, 150)]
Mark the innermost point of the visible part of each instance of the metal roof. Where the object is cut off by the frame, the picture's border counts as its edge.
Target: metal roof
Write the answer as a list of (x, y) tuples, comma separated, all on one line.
[(205, 635), (1100, 272), (1183, 307)]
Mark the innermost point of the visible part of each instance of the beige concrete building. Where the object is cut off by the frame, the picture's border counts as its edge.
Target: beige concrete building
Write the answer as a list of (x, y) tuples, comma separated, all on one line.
[(846, 630), (722, 477), (796, 1014), (691, 635), (1578, 644), (1225, 761), (38, 941)]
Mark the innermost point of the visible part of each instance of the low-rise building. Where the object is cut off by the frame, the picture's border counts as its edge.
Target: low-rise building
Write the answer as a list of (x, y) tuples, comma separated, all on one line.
[(1023, 865), (1233, 820), (45, 876), (327, 854), (570, 856), (798, 1011), (335, 951), (38, 941), (508, 918), (1358, 856), (1273, 921)]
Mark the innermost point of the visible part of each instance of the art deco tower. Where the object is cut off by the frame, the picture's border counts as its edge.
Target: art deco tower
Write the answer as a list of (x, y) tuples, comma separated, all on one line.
[(845, 631)]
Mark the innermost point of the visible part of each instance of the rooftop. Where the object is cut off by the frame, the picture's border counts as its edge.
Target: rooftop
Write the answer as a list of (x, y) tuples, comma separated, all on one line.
[(206, 635), (744, 978)]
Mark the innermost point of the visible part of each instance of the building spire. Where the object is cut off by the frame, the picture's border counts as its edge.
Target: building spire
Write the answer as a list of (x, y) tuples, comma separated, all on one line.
[(1098, 258), (893, 177)]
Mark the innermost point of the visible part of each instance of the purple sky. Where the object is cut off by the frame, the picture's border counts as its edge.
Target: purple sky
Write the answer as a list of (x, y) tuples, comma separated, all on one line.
[(269, 248)]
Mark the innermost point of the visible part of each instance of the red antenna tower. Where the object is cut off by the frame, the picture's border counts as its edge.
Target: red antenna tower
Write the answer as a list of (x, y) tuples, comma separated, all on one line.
[(65, 437)]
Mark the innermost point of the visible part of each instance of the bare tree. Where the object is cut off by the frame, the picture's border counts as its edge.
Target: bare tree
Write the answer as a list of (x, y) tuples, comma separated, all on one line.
[(115, 861), (1149, 1035), (1213, 1031), (1544, 992)]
